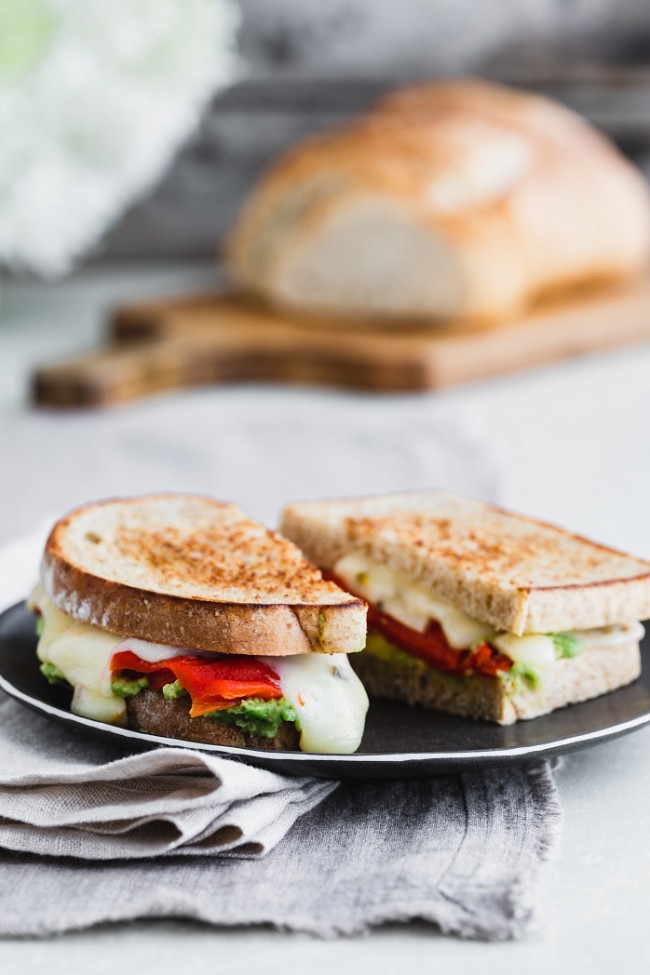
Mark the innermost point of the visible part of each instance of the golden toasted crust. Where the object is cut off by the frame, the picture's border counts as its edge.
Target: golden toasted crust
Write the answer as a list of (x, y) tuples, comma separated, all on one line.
[(443, 201), (189, 571), (153, 714), (597, 671), (520, 574)]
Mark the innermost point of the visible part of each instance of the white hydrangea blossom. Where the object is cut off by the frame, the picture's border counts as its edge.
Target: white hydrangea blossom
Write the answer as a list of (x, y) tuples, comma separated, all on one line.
[(95, 98)]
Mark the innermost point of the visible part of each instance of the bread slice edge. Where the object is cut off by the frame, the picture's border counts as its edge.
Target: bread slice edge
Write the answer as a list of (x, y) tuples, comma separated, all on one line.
[(596, 672), (321, 530), (271, 629)]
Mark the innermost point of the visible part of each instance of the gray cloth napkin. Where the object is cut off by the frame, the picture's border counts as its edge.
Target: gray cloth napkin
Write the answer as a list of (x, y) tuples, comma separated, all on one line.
[(68, 796), (461, 851)]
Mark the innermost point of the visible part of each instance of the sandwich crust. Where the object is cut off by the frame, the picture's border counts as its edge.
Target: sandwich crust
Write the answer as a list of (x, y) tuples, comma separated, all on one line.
[(517, 573), (189, 571), (596, 671)]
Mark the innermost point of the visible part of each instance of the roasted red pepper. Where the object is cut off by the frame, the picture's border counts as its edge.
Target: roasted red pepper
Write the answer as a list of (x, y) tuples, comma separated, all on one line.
[(212, 684), (432, 647)]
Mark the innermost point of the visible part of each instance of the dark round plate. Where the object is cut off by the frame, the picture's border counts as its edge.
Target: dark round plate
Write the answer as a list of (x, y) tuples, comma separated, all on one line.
[(399, 741)]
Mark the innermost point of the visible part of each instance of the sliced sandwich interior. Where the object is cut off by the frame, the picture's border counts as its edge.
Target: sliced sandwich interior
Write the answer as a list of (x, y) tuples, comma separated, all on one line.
[(179, 617), (422, 649), (314, 702), (477, 610)]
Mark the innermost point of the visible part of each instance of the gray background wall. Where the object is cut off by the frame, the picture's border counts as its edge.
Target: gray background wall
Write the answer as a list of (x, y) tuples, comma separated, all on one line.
[(309, 64)]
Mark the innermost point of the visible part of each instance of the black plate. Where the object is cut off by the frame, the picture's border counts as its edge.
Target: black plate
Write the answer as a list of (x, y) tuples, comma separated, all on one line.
[(399, 741)]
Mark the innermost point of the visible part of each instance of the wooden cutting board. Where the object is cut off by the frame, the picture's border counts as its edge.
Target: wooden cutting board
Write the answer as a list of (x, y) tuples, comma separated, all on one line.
[(172, 343)]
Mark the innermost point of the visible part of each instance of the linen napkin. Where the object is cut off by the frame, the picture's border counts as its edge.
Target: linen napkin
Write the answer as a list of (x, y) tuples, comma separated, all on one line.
[(461, 851), (64, 795)]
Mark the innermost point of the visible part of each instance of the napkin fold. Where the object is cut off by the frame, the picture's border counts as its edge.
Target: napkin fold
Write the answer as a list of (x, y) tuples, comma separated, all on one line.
[(88, 835), (66, 796)]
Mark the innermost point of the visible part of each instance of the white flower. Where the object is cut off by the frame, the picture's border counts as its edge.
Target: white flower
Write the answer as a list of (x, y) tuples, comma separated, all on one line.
[(96, 96)]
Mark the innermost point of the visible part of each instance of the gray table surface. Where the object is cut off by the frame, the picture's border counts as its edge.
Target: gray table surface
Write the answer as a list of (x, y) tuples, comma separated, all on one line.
[(573, 441)]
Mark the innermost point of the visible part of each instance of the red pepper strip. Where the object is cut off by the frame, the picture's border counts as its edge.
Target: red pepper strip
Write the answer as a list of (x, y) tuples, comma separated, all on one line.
[(432, 646), (212, 684)]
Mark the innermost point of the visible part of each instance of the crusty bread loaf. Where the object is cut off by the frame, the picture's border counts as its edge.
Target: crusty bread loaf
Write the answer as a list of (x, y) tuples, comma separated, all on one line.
[(448, 201), (153, 714), (517, 573), (189, 571), (597, 671)]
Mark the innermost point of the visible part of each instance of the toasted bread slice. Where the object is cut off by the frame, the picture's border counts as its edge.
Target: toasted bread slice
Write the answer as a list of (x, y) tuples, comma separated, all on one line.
[(597, 671), (189, 571), (517, 573)]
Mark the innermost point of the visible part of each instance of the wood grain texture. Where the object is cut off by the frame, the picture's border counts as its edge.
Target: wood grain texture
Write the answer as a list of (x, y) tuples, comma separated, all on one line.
[(173, 343)]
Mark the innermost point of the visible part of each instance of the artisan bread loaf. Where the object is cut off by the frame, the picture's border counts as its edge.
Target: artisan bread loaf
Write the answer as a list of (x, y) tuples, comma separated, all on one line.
[(596, 671), (447, 201), (517, 573), (189, 571)]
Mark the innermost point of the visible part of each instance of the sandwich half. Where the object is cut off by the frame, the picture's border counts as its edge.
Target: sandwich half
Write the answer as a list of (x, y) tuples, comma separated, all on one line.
[(178, 616), (477, 611)]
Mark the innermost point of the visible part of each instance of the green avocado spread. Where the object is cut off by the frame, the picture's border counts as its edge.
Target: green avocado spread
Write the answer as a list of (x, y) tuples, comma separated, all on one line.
[(567, 645), (123, 687), (173, 691), (257, 717), (378, 646), (52, 674)]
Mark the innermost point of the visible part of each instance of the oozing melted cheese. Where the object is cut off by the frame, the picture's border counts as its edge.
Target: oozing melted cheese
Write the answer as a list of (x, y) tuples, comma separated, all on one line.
[(328, 697), (412, 605)]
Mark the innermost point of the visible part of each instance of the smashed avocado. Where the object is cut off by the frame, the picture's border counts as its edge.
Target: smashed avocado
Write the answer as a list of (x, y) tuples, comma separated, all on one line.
[(173, 690), (388, 653), (257, 717), (123, 687), (521, 677), (52, 674), (567, 645)]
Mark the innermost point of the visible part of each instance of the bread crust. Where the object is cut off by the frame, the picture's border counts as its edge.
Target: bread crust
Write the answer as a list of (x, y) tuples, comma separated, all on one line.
[(326, 620), (504, 193), (520, 574), (596, 671), (151, 713)]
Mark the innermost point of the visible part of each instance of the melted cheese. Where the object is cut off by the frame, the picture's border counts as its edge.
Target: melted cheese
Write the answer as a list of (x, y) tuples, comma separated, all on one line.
[(534, 650), (395, 595), (412, 605), (100, 707), (328, 697), (82, 653), (611, 636)]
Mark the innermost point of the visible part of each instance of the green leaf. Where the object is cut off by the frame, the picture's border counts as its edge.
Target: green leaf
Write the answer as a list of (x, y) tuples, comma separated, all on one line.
[(40, 625), (27, 27)]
